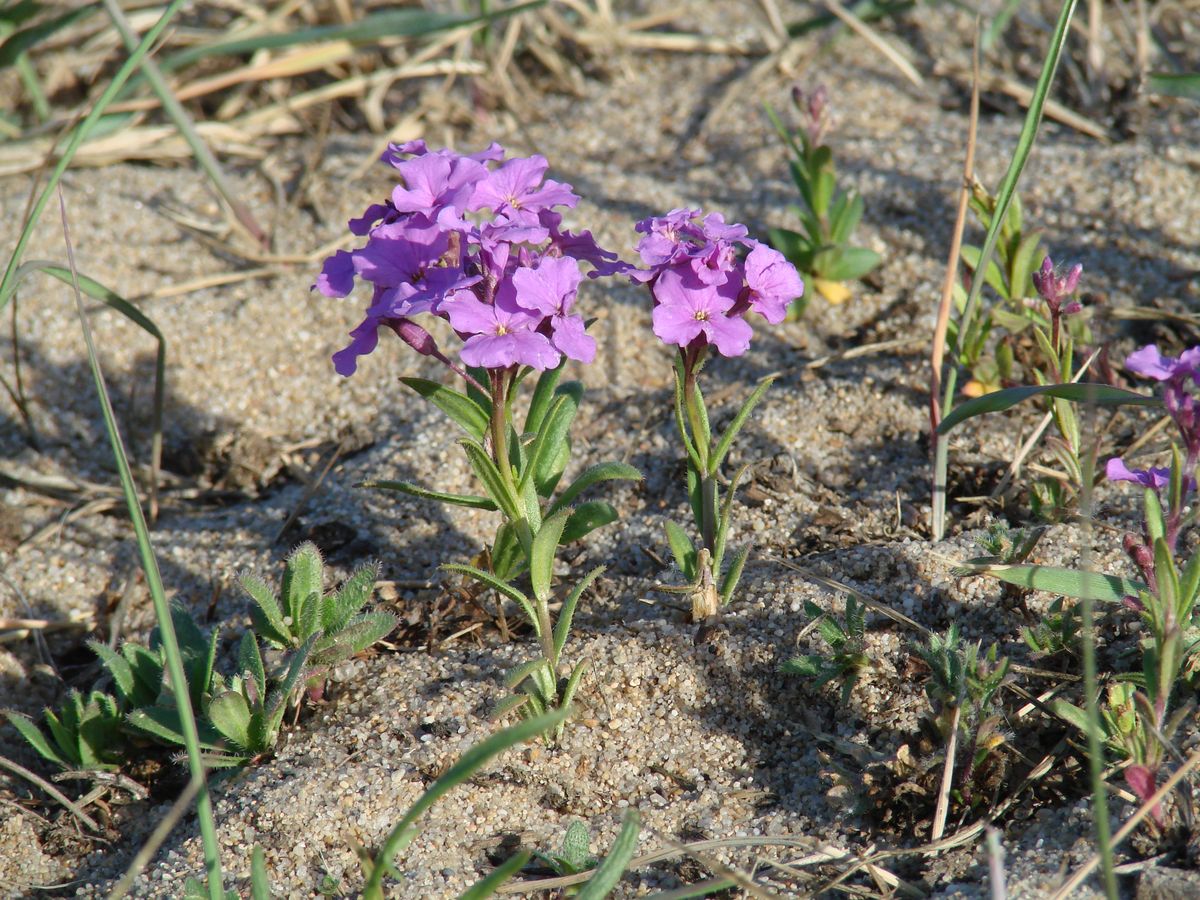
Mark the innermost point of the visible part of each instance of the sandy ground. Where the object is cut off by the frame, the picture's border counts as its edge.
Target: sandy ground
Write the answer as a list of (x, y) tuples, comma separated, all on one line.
[(697, 731)]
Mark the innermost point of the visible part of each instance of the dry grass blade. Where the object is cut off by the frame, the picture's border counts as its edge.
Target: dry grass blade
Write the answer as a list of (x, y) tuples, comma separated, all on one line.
[(177, 811), (54, 792), (872, 37), (1082, 873), (943, 800)]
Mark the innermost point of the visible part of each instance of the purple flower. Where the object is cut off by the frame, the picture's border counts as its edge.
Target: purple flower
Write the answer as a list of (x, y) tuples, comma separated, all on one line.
[(1150, 363), (582, 246), (437, 187), (1156, 478), (773, 282), (403, 259), (549, 289), (365, 337), (501, 334), (337, 275), (516, 194), (689, 311), (1055, 287)]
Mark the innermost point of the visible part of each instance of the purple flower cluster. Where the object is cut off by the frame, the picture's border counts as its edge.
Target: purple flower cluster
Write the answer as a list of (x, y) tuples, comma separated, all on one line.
[(702, 290), (1175, 375), (1056, 287), (475, 240)]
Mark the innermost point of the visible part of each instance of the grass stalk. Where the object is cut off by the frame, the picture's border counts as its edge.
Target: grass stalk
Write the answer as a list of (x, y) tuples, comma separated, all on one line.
[(1004, 197), (187, 130), (162, 610), (79, 135)]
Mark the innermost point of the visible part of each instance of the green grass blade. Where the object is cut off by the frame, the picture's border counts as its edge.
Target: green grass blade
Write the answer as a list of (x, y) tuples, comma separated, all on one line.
[(470, 763), (260, 882), (1056, 580), (78, 136), (115, 301), (1185, 85), (162, 610), (602, 883), (486, 887), (1008, 187), (996, 401), (28, 38)]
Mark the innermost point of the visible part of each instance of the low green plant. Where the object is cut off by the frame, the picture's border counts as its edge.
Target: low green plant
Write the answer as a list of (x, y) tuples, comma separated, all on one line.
[(574, 855), (85, 732), (962, 692), (846, 657), (303, 611), (821, 250)]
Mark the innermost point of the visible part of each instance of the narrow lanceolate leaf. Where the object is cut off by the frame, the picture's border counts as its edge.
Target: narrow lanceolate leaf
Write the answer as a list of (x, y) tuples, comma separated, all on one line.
[(602, 883), (250, 663), (470, 763), (586, 518), (486, 471), (260, 883), (609, 471), (739, 420), (36, 739), (541, 556), (1056, 580), (1168, 84), (501, 587), (295, 672), (266, 615), (118, 667), (1100, 394), (733, 575), (468, 414), (302, 578), (563, 626), (357, 635), (543, 397), (340, 608), (471, 501), (547, 444), (682, 550)]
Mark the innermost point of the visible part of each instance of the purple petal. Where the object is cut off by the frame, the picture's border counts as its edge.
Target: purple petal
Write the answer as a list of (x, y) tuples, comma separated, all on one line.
[(570, 337), (1150, 363), (676, 324), (774, 283), (337, 275), (363, 339), (550, 288), (469, 315), (731, 336)]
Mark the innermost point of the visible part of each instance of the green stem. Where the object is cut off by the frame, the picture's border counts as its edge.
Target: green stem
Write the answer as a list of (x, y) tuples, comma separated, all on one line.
[(702, 440), (499, 433)]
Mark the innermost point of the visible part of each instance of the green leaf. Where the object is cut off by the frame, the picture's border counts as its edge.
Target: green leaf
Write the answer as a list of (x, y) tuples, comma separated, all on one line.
[(468, 414), (586, 518), (27, 38), (1025, 261), (546, 461), (466, 767), (1055, 580), (847, 213), (725, 517), (601, 884), (302, 577), (278, 703), (807, 666), (994, 277), (796, 247), (847, 263), (501, 587), (739, 420), (250, 663), (119, 668), (1072, 715), (486, 886), (265, 615), (356, 636), (1170, 84), (576, 846), (682, 549), (471, 501), (339, 608), (36, 739), (998, 401), (608, 471), (230, 715), (493, 483), (543, 397), (541, 556), (260, 882), (733, 575), (562, 627)]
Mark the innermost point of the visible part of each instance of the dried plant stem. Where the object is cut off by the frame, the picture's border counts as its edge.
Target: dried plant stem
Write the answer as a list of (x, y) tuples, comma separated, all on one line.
[(937, 357), (1125, 830), (872, 37), (50, 789), (943, 800)]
